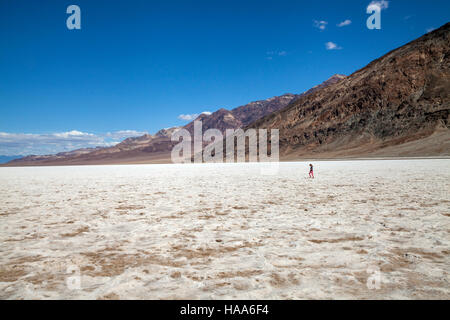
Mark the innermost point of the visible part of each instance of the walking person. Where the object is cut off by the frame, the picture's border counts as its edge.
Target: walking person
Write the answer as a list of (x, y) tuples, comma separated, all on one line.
[(311, 171)]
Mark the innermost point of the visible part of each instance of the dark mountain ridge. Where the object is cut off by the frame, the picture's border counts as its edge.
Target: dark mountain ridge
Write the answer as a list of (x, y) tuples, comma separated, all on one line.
[(157, 148), (402, 97)]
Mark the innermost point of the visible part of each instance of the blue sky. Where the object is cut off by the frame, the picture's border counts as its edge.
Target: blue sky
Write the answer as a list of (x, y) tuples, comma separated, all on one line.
[(137, 66)]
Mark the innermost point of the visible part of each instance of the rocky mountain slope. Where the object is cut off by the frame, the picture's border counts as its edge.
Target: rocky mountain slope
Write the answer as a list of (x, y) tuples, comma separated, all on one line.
[(241, 116), (148, 147), (157, 148), (398, 105)]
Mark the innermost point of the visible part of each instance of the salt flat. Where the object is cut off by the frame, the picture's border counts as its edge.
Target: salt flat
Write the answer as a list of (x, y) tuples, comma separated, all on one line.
[(360, 230)]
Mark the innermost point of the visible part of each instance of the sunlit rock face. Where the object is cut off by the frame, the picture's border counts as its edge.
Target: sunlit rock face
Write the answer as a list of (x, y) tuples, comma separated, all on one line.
[(400, 98)]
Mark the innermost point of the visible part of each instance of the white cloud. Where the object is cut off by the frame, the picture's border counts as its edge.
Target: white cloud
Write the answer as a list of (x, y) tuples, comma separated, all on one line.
[(430, 29), (188, 117), (332, 46), (73, 133), (378, 5), (270, 54), (50, 143), (320, 24), (344, 23), (123, 134), (193, 116)]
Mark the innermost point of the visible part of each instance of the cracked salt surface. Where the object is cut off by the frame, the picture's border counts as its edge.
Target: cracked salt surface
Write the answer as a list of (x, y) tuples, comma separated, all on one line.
[(360, 230)]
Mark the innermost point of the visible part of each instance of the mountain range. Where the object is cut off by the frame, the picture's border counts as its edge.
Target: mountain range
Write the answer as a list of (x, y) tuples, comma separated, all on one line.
[(398, 105)]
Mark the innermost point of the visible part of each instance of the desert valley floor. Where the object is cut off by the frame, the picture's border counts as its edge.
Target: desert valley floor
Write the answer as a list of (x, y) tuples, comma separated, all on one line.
[(362, 229)]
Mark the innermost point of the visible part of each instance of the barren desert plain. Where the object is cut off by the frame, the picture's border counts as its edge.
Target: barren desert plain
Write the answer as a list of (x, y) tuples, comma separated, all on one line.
[(368, 229)]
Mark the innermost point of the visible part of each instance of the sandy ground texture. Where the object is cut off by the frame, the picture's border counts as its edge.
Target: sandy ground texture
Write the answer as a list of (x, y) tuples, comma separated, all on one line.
[(360, 230)]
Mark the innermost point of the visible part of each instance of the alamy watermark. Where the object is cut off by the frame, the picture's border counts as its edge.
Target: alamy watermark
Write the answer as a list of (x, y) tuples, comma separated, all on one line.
[(374, 280), (231, 148), (73, 281), (374, 9), (74, 20)]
